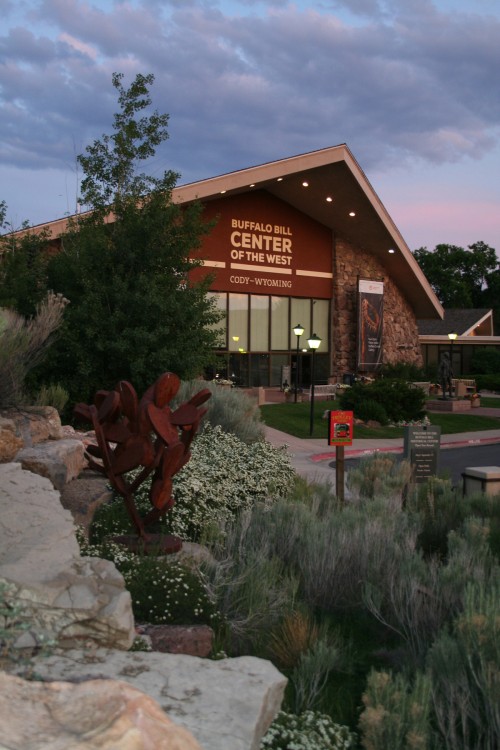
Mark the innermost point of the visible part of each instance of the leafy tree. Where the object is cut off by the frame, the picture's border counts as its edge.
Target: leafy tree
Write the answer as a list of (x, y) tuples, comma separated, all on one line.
[(125, 266), (22, 267), (459, 277)]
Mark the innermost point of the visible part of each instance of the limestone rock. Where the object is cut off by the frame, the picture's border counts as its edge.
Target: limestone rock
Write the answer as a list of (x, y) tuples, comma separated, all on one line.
[(58, 460), (91, 715), (67, 597), (34, 424), (227, 704), (84, 495), (10, 444)]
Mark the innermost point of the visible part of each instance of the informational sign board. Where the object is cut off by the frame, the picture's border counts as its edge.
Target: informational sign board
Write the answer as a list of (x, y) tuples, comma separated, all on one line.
[(340, 427), (421, 448)]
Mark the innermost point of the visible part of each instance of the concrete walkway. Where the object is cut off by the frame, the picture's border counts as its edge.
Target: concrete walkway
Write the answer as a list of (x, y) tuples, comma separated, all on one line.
[(312, 457)]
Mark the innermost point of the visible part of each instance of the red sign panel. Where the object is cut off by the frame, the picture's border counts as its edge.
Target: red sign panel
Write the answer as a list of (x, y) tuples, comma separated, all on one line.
[(340, 427), (262, 245)]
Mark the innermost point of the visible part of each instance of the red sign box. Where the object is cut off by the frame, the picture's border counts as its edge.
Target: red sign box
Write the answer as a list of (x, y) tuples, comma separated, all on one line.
[(340, 427)]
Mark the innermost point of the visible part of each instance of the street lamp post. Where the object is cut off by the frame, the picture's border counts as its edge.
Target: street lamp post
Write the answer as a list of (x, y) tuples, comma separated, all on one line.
[(314, 343), (298, 331), (237, 362), (452, 336)]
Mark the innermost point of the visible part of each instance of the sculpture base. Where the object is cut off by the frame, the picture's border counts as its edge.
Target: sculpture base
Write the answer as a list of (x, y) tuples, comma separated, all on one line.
[(151, 544), (449, 404)]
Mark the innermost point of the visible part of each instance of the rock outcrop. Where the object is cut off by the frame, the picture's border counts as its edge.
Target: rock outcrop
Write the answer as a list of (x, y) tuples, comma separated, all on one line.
[(58, 460), (226, 705), (10, 443), (67, 597), (90, 715)]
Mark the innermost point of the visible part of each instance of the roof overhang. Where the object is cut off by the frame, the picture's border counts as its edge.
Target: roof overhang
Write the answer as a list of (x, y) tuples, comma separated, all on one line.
[(354, 213), (331, 173), (460, 340)]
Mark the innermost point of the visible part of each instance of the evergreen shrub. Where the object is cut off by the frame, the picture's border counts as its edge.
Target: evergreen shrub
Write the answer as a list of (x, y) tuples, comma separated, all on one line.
[(402, 403)]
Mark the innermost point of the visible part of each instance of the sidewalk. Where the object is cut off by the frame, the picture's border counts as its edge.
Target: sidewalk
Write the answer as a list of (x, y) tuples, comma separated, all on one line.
[(311, 458)]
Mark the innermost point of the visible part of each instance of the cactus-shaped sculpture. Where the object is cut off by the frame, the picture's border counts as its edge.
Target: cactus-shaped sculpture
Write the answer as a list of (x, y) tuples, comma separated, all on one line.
[(132, 433)]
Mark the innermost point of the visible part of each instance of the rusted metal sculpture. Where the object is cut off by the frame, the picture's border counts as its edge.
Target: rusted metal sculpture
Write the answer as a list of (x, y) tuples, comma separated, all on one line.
[(131, 433)]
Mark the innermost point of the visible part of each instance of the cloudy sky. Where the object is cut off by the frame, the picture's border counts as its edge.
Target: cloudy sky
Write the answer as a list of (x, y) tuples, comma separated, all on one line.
[(412, 86)]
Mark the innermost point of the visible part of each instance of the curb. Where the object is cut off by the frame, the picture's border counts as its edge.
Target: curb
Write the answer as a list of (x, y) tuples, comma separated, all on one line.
[(357, 452)]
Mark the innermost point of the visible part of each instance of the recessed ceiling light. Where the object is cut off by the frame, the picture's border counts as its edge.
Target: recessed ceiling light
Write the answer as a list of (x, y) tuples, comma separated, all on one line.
[(329, 199), (391, 250), (352, 213), (280, 179), (253, 184), (222, 192), (305, 184)]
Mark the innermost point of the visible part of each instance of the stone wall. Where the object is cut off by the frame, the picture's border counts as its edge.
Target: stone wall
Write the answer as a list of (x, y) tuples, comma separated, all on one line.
[(400, 332)]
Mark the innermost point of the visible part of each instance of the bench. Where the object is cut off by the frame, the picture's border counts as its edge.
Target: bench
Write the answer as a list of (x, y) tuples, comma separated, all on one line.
[(322, 392), (463, 386), (424, 385)]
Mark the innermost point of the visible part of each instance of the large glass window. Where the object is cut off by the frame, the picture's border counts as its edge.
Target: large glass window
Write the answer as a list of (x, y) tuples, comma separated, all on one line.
[(259, 323), (220, 300), (280, 325), (321, 308), (238, 322), (300, 313), (278, 363), (259, 364)]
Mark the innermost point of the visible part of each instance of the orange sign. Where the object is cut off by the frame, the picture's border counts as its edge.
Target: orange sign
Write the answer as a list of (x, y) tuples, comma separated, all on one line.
[(340, 427), (261, 245)]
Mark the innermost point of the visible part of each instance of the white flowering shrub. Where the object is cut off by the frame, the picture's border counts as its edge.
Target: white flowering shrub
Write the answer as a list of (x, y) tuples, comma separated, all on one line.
[(308, 731), (224, 476), (163, 590)]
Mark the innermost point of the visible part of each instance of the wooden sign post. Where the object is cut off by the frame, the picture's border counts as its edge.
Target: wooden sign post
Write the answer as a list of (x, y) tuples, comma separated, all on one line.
[(340, 434)]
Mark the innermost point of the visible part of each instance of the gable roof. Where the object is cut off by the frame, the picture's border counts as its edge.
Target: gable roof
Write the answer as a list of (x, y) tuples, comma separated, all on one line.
[(468, 322), (354, 212)]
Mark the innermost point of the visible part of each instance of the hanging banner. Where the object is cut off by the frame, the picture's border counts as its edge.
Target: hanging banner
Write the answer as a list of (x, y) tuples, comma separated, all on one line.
[(370, 317)]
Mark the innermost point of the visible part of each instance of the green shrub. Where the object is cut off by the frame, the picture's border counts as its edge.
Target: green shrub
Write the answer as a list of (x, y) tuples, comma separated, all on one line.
[(52, 395), (401, 402), (465, 670), (486, 361), (403, 371), (252, 587), (488, 382), (310, 675), (418, 598), (23, 345), (396, 713), (368, 410), (231, 409), (310, 730), (380, 475)]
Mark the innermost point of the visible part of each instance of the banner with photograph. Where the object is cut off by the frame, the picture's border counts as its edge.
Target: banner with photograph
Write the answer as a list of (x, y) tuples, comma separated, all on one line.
[(370, 324)]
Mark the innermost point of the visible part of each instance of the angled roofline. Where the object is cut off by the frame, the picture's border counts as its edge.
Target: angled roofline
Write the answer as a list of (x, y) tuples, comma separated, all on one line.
[(407, 273)]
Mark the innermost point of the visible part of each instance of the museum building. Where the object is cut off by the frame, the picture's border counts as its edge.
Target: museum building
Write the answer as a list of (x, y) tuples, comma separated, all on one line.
[(306, 240)]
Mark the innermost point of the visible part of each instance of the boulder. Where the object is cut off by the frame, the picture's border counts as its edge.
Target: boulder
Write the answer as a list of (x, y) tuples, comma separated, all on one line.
[(35, 424), (10, 443), (84, 495), (58, 460), (90, 715), (66, 597), (226, 704)]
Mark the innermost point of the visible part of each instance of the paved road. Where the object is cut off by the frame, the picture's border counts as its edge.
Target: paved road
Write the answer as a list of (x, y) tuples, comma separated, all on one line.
[(453, 461)]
